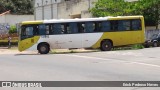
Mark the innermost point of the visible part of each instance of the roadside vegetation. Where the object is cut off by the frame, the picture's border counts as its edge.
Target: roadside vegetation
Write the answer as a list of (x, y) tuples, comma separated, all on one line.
[(12, 34), (148, 8), (4, 40), (19, 7)]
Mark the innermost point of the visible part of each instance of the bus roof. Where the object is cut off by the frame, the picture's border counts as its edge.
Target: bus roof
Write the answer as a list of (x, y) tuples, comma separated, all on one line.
[(80, 19)]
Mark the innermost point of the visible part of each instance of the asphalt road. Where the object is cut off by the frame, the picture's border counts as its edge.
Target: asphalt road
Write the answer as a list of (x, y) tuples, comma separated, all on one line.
[(128, 65)]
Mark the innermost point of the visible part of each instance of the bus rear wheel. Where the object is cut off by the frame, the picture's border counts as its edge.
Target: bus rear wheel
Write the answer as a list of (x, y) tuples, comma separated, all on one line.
[(106, 45), (43, 49)]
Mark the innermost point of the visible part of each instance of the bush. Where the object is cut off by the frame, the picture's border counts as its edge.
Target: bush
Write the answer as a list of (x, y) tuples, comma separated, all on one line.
[(138, 46), (12, 29)]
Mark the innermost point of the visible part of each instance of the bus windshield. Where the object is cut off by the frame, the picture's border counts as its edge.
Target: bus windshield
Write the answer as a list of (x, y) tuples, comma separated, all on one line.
[(26, 31)]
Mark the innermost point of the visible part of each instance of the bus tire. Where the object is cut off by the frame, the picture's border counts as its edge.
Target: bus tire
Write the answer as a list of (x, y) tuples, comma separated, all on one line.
[(106, 45), (43, 49)]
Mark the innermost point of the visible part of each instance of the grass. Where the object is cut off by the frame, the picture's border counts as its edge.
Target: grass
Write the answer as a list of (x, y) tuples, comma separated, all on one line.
[(132, 47), (138, 46)]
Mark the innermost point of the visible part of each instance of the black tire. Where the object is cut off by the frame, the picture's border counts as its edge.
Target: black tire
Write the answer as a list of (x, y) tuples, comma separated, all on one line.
[(43, 49), (106, 46), (155, 44)]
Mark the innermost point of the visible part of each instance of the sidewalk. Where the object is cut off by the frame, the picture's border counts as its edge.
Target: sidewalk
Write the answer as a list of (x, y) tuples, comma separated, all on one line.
[(5, 50), (3, 47)]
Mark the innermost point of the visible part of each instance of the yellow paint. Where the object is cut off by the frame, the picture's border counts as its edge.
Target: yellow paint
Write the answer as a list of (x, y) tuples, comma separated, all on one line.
[(31, 22), (27, 43), (124, 37)]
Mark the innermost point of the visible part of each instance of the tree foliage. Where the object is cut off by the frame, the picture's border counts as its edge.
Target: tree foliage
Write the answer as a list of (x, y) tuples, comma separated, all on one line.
[(17, 6), (150, 9)]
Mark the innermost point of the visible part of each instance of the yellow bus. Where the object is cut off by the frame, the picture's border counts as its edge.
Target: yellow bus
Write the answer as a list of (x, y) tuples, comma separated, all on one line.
[(103, 33)]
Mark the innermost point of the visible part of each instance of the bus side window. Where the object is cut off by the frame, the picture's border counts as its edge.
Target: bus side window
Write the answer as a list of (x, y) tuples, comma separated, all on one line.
[(97, 26), (42, 29), (136, 25), (73, 27), (63, 29), (114, 25), (105, 26), (51, 29), (124, 25), (23, 31), (81, 27), (47, 29), (36, 31), (67, 29), (57, 28), (89, 27)]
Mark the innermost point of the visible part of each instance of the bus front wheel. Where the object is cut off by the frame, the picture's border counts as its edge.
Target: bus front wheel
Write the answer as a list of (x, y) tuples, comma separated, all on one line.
[(43, 49), (106, 45)]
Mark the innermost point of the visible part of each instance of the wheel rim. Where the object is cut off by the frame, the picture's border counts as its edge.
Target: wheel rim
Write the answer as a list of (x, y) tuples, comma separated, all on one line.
[(106, 46)]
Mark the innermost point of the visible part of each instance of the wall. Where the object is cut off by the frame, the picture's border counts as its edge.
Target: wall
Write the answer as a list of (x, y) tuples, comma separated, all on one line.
[(7, 20), (75, 9), (2, 19), (49, 9), (46, 9), (55, 9), (13, 19), (149, 33)]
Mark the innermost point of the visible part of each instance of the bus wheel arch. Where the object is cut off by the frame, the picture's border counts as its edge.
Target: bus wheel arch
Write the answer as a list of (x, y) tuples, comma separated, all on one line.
[(43, 48), (106, 45)]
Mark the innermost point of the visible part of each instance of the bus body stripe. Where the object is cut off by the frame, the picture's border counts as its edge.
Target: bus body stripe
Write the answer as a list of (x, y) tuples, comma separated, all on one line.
[(27, 43)]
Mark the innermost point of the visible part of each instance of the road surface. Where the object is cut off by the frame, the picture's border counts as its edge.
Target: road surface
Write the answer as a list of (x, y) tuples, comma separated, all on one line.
[(127, 65)]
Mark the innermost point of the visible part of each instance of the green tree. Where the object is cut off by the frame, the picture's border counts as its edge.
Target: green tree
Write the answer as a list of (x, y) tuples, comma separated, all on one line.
[(150, 9), (109, 8), (18, 6)]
